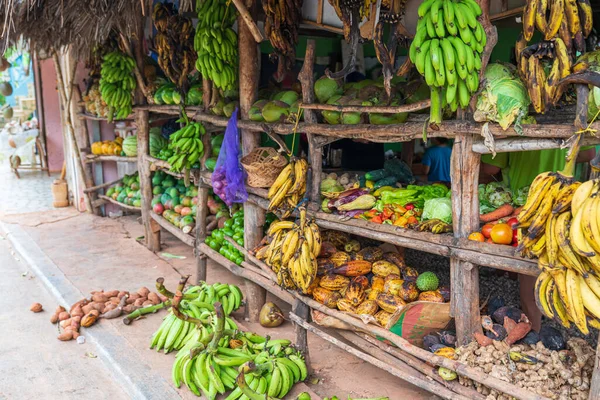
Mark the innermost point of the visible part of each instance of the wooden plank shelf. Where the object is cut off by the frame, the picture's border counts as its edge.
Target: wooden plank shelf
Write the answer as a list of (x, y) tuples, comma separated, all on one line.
[(411, 129), (90, 117), (162, 165), (92, 158), (175, 231), (123, 206), (484, 254)]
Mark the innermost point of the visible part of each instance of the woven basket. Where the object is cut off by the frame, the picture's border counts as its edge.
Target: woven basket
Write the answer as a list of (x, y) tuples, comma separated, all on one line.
[(263, 166)]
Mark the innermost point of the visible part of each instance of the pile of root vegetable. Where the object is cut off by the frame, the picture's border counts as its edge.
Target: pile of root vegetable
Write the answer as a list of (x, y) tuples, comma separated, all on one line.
[(563, 374), (102, 304)]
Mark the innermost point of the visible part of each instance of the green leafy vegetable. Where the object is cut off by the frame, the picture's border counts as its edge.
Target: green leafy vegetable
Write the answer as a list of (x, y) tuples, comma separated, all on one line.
[(438, 209)]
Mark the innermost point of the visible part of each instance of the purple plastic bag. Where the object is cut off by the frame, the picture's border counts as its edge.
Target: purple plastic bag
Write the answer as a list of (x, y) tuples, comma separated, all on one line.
[(229, 178)]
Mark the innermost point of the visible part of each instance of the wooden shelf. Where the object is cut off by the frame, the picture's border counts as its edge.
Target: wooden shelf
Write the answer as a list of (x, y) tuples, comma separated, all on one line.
[(484, 254), (91, 117), (411, 129), (92, 158), (123, 206), (175, 231), (157, 164)]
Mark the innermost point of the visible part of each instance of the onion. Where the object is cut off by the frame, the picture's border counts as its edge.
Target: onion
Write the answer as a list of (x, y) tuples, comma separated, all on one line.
[(270, 316), (217, 185)]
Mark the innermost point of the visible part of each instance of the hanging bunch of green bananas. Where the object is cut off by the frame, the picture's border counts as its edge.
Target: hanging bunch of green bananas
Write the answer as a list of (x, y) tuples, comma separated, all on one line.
[(214, 362), (187, 146), (117, 84), (216, 43), (447, 51), (174, 333)]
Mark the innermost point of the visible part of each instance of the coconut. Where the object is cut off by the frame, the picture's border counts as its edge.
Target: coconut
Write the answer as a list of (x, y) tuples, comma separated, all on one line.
[(275, 111), (8, 112), (289, 97), (255, 112), (325, 88), (6, 89)]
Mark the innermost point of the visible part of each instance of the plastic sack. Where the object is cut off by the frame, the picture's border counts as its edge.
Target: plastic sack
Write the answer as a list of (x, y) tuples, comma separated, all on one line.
[(228, 179)]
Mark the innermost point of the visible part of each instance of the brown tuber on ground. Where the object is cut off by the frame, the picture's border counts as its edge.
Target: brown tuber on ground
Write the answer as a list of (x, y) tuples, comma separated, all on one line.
[(99, 298), (144, 291), (63, 315), (66, 336), (111, 293), (36, 308), (153, 297), (77, 312)]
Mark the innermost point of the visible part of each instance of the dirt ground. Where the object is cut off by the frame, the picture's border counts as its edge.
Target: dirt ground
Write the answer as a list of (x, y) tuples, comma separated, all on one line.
[(102, 253)]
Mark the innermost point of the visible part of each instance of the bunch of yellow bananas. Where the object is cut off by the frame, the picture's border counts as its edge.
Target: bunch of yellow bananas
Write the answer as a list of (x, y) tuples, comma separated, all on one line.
[(291, 251), (562, 226), (447, 51), (216, 43), (564, 25), (174, 43), (571, 20), (117, 84), (541, 86), (282, 20), (289, 187)]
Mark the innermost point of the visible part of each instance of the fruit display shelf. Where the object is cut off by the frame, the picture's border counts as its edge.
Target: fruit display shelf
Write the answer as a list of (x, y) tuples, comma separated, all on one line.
[(90, 117), (92, 158), (186, 238), (484, 254), (123, 206), (157, 164)]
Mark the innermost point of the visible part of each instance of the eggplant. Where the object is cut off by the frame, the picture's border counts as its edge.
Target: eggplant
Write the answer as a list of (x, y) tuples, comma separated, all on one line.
[(347, 197)]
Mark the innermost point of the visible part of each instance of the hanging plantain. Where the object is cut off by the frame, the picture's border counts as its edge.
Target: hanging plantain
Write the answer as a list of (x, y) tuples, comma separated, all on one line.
[(281, 26), (391, 13), (349, 12), (174, 44)]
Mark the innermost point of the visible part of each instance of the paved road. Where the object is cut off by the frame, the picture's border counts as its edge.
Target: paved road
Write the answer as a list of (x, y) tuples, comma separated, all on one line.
[(33, 363)]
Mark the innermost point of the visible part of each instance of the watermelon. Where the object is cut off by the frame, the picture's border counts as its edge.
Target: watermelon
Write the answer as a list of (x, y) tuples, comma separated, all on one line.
[(157, 143), (217, 141), (130, 146), (110, 192), (211, 163)]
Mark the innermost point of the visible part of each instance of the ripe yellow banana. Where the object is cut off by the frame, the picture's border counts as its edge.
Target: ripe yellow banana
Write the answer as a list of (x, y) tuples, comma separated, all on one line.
[(558, 307), (283, 177), (300, 170), (280, 225), (572, 14), (589, 222), (543, 212), (586, 16), (564, 248), (529, 14), (564, 197), (551, 244), (575, 301), (559, 276), (278, 198), (579, 243), (593, 283), (290, 245), (556, 16), (541, 300), (590, 300), (581, 194), (537, 192)]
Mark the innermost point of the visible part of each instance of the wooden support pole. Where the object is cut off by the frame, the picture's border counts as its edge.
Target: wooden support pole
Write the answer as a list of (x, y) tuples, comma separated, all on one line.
[(254, 217), (464, 276), (315, 152), (408, 152), (152, 232), (301, 337), (595, 384), (491, 34), (201, 231)]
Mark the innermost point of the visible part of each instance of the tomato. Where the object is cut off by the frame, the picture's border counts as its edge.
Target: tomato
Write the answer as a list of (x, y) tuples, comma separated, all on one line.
[(409, 206), (502, 234), (515, 237), (489, 240), (486, 230), (477, 236), (513, 222)]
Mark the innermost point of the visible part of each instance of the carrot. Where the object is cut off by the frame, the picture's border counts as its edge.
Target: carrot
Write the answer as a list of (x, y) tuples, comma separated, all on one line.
[(501, 212)]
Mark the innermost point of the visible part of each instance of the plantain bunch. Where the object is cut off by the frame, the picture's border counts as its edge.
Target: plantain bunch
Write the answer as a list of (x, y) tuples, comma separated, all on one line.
[(281, 26), (117, 84), (216, 43), (447, 50), (289, 187), (291, 249), (174, 44)]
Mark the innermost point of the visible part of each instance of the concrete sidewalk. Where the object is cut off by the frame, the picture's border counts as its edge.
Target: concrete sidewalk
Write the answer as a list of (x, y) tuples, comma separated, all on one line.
[(78, 253)]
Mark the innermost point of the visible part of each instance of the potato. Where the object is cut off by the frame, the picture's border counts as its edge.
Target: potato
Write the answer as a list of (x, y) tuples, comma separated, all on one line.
[(76, 319), (112, 293), (98, 306), (143, 292), (75, 334), (63, 315), (130, 300), (162, 298), (114, 300), (59, 309), (65, 323), (65, 336), (54, 318), (147, 303), (122, 293), (128, 309), (153, 297), (93, 292), (139, 302), (134, 296), (109, 307), (100, 298), (87, 308), (77, 312), (81, 302), (36, 308)]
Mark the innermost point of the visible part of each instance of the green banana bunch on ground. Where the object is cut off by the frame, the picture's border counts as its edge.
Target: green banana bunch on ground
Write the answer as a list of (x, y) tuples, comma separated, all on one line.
[(245, 364), (446, 50), (117, 84), (216, 43), (187, 146), (198, 301)]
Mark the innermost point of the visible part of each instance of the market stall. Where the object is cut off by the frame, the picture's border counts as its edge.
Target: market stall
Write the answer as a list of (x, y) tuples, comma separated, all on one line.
[(321, 252)]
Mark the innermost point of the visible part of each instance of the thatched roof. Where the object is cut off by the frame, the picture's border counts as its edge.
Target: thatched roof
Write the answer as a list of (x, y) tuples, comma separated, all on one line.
[(80, 24)]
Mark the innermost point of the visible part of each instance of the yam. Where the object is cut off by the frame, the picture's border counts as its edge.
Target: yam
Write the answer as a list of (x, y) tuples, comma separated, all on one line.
[(112, 293), (109, 307), (54, 318), (128, 309), (75, 334), (162, 298), (65, 323), (98, 306), (147, 303), (121, 294), (63, 315), (81, 302), (76, 319), (114, 300), (143, 292), (134, 296), (153, 297), (65, 336), (36, 308), (100, 298), (139, 302)]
